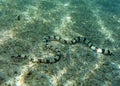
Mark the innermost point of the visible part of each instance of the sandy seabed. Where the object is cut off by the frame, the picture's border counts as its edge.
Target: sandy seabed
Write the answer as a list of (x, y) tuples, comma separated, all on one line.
[(23, 24)]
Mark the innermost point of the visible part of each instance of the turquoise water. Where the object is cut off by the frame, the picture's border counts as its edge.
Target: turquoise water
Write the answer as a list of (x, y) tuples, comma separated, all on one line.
[(24, 23)]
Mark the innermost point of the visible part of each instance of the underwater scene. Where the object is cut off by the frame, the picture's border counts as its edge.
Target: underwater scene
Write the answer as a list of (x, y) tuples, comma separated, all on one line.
[(59, 42)]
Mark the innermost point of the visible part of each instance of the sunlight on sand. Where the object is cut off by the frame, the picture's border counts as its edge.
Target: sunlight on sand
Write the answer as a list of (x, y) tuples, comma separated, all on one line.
[(104, 30), (5, 35), (66, 20), (55, 79), (27, 14), (63, 26), (19, 80), (63, 29), (66, 4), (69, 83)]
